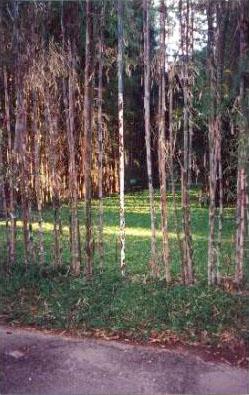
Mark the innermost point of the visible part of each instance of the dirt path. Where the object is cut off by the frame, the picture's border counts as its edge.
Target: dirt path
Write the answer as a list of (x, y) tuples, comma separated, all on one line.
[(35, 363)]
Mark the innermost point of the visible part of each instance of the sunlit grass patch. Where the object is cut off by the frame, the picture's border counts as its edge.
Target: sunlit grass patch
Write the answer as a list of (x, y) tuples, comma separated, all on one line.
[(51, 297), (137, 231)]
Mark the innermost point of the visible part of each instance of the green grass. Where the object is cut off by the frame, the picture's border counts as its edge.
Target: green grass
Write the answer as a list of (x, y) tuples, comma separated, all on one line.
[(136, 304)]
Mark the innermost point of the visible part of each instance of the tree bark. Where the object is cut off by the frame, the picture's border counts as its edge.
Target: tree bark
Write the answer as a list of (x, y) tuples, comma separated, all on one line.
[(3, 208), (38, 191), (243, 149), (87, 114), (212, 133), (100, 138), (10, 165), (187, 270), (162, 150), (172, 143), (121, 132), (146, 27), (215, 70), (69, 107), (51, 116), (221, 10), (21, 163), (73, 185)]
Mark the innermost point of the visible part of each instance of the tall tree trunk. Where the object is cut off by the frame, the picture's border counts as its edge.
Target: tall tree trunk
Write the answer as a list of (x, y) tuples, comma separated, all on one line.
[(216, 37), (212, 132), (222, 12), (100, 138), (162, 151), (243, 148), (21, 139), (121, 132), (26, 188), (172, 143), (10, 165), (73, 185), (51, 116), (191, 83), (21, 164), (37, 171), (188, 276), (4, 208), (146, 27), (88, 139), (69, 106)]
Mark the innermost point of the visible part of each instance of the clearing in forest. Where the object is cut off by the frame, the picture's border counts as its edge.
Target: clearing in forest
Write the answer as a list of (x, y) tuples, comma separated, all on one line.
[(138, 306)]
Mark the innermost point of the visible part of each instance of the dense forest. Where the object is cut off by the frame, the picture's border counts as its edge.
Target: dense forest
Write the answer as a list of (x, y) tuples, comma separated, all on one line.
[(120, 105)]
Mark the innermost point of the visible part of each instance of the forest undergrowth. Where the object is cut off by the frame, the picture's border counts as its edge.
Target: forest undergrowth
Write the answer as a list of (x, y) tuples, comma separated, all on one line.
[(137, 307)]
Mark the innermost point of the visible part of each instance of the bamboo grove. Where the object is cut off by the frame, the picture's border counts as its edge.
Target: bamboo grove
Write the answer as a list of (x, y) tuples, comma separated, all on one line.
[(65, 130)]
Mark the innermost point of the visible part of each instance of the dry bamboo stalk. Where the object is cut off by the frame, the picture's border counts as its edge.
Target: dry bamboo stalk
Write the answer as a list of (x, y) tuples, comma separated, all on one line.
[(153, 261), (185, 168), (100, 139), (162, 145), (73, 185), (87, 115), (243, 151), (10, 164), (37, 186), (121, 133)]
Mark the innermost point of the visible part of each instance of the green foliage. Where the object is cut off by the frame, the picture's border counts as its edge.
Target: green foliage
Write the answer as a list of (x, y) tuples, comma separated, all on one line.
[(52, 298), (108, 302)]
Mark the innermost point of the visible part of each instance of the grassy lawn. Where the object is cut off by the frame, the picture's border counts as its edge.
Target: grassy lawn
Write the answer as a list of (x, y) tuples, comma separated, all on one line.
[(137, 305)]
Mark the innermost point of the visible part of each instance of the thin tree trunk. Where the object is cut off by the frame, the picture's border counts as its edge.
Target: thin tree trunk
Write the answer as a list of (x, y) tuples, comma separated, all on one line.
[(220, 214), (10, 164), (21, 140), (243, 151), (73, 185), (162, 152), (88, 140), (190, 150), (171, 162), (153, 261), (213, 165), (69, 106), (21, 165), (188, 276), (4, 207), (100, 139), (38, 191), (27, 176), (215, 68), (121, 133), (191, 82), (52, 123), (221, 11)]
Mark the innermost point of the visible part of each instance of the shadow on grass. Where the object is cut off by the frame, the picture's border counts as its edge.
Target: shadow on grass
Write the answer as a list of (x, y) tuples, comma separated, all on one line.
[(137, 235)]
